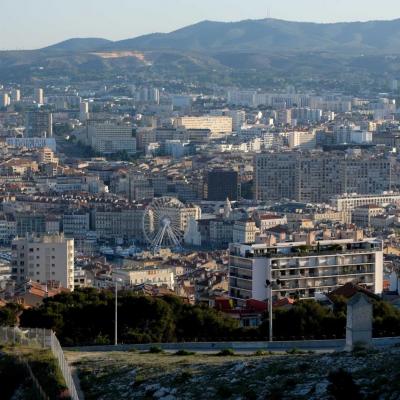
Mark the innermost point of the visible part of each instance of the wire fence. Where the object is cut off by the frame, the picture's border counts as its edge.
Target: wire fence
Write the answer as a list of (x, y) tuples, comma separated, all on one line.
[(43, 338), (36, 385)]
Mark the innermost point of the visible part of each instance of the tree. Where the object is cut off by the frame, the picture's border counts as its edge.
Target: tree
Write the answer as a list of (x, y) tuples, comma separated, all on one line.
[(86, 316), (9, 314)]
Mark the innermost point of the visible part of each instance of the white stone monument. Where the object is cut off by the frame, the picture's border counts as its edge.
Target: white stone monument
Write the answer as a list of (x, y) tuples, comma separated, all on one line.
[(359, 321)]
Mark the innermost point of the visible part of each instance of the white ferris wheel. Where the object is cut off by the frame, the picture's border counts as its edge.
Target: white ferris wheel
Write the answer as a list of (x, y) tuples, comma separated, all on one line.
[(162, 223)]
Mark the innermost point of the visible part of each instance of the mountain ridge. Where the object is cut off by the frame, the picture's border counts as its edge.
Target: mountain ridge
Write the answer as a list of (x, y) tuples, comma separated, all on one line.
[(257, 35)]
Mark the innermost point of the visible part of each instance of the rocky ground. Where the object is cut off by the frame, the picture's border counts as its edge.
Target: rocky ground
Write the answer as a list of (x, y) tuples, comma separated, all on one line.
[(368, 375)]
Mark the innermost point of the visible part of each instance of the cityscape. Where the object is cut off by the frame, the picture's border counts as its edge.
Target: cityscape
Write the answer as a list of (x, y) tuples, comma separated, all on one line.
[(210, 213)]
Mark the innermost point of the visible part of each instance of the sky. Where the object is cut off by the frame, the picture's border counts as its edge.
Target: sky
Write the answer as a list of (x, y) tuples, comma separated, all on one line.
[(31, 24)]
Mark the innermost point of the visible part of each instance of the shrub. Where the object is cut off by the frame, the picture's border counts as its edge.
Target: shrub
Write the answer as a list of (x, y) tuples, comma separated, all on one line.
[(156, 350), (295, 351), (132, 350), (226, 352), (260, 353), (184, 353), (139, 379)]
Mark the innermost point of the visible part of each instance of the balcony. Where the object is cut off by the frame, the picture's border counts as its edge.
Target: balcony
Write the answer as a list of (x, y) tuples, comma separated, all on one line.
[(240, 276), (315, 253)]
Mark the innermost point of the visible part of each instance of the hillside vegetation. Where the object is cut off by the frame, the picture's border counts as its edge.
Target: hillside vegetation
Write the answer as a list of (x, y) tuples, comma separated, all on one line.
[(361, 375)]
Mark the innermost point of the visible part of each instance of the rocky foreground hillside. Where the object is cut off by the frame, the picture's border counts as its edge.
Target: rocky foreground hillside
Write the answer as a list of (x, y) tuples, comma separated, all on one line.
[(359, 375)]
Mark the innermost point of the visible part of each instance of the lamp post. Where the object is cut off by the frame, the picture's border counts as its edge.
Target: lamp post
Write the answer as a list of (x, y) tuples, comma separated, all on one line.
[(116, 311), (268, 285)]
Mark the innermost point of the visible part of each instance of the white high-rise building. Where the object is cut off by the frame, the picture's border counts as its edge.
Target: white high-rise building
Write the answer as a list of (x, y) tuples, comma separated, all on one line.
[(84, 111), (216, 124), (4, 100), (326, 265), (39, 96), (302, 140), (15, 95), (43, 259), (238, 117)]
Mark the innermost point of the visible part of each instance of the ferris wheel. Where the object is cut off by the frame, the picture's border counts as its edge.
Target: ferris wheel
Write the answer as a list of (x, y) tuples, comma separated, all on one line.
[(162, 223)]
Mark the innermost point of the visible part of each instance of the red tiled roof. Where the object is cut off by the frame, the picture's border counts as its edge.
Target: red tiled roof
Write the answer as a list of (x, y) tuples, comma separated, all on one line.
[(349, 290)]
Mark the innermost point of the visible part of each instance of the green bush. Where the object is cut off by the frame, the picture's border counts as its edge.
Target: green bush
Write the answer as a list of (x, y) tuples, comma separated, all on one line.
[(295, 351), (156, 350), (260, 353), (226, 352), (47, 371), (184, 353), (139, 379), (132, 350)]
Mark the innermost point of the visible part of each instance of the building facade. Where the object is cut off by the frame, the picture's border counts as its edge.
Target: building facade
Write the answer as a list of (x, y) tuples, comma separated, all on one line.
[(216, 124), (316, 177), (111, 137), (304, 270), (43, 259)]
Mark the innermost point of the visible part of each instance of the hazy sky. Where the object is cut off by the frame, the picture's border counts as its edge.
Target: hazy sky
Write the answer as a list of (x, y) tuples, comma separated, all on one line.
[(27, 24)]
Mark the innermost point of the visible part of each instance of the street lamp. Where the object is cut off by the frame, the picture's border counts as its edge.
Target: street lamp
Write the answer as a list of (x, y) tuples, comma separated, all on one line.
[(116, 311), (268, 284)]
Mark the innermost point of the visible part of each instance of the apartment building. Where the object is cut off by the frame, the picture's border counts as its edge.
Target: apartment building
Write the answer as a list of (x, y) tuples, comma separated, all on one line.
[(302, 140), (362, 215), (46, 155), (216, 124), (111, 137), (238, 117), (244, 231), (39, 124), (307, 115), (267, 221), (76, 224), (8, 228), (222, 184), (316, 177), (152, 275), (304, 269), (347, 202), (30, 223), (42, 259), (118, 223)]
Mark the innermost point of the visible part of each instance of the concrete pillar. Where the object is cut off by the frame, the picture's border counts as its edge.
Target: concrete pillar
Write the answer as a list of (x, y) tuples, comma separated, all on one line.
[(359, 321)]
